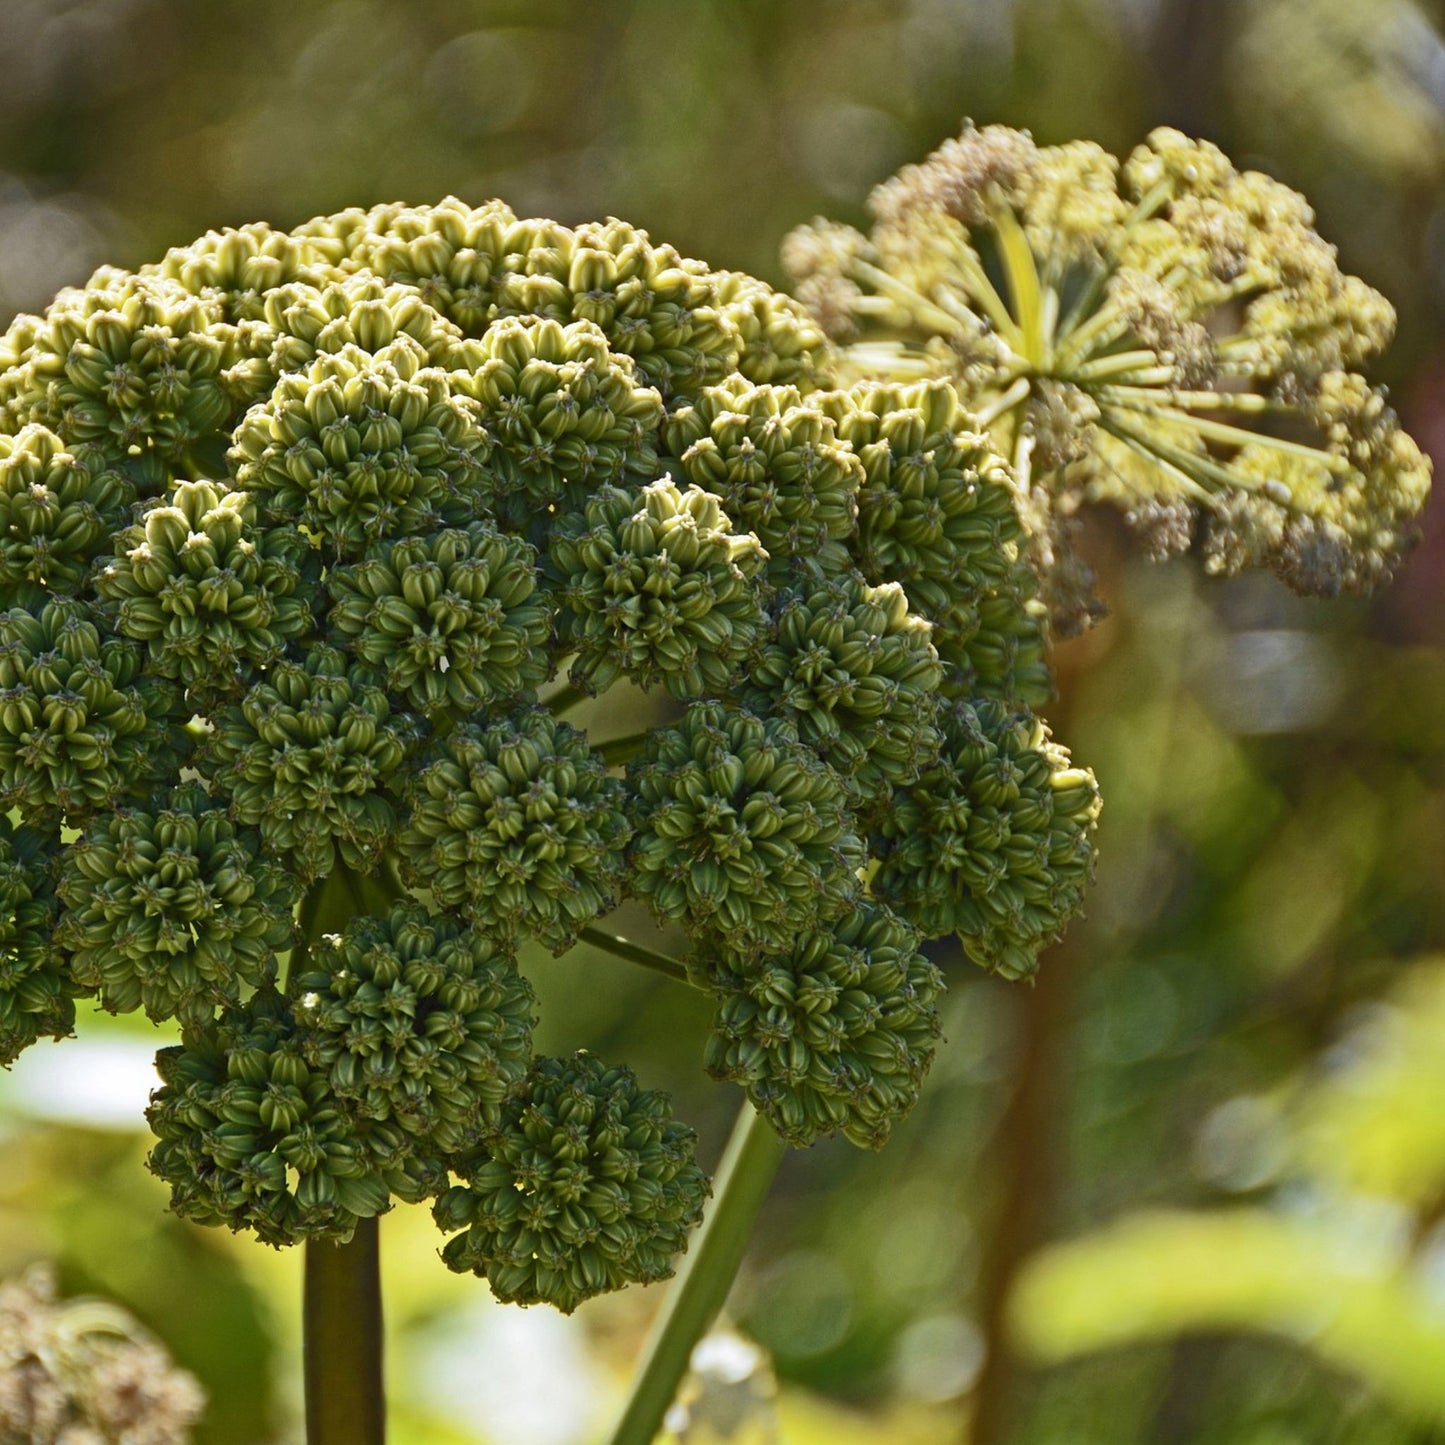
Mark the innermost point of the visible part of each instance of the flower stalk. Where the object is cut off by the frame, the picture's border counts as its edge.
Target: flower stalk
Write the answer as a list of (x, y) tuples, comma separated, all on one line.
[(342, 1348), (341, 1313), (749, 1165)]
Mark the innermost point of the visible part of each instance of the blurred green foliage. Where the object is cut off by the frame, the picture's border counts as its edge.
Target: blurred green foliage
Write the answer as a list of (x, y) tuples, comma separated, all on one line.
[(1346, 1257), (1274, 770)]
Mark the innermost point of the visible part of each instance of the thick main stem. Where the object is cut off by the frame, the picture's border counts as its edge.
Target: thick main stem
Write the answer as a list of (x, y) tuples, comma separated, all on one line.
[(341, 1317), (341, 1320), (744, 1177)]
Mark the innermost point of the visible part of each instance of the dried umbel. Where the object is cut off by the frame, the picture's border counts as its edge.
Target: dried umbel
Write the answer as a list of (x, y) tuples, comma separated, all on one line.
[(1170, 336), (315, 546), (83, 1372)]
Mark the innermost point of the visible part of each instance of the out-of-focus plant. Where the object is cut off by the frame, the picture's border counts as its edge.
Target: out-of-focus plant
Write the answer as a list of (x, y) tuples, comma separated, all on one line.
[(1170, 336), (1366, 77), (1344, 1254), (83, 1372), (295, 529)]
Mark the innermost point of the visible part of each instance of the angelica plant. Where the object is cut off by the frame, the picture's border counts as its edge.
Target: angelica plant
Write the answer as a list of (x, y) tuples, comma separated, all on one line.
[(314, 548), (1169, 336)]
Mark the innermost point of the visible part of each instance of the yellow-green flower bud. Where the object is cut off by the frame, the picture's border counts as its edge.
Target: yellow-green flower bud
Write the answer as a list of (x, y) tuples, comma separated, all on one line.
[(779, 467), (238, 268), (360, 447), (855, 672), (565, 414), (449, 252), (135, 366), (360, 312), (781, 344), (58, 511)]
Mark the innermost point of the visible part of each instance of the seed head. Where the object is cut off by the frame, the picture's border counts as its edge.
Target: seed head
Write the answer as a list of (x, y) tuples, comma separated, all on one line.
[(589, 1184)]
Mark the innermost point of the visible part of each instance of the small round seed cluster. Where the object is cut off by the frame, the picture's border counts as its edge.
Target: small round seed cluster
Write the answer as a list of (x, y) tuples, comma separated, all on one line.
[(993, 842), (742, 832), (37, 991), (777, 463), (81, 726), (360, 447), (564, 412), (518, 827), (58, 511), (212, 597), (251, 1136), (132, 368), (422, 1030), (833, 1036), (856, 674), (590, 1185), (656, 587), (453, 620), (303, 757), (171, 908), (936, 513)]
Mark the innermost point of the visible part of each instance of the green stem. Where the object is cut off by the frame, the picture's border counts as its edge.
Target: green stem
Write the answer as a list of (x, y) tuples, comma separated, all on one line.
[(341, 1308), (701, 1288), (1116, 363), (635, 953), (1146, 453), (916, 306), (1023, 282), (1245, 401), (565, 699), (970, 263), (1005, 401), (621, 750), (1221, 431), (1204, 470), (345, 1399)]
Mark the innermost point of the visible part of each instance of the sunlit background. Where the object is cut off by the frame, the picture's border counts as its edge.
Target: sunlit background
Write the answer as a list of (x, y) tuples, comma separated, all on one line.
[(1273, 841)]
